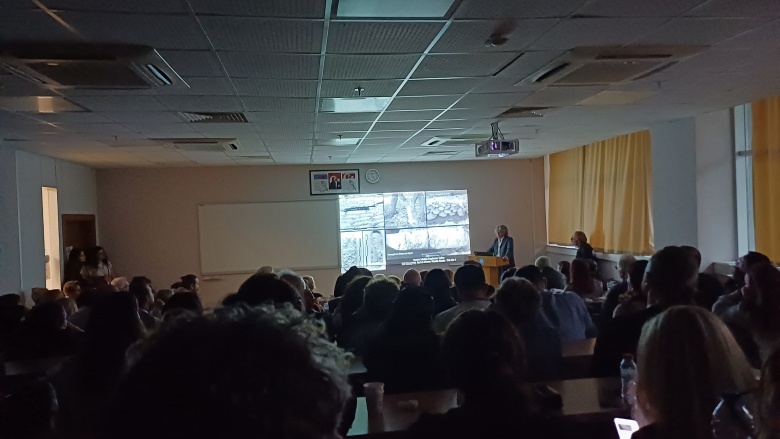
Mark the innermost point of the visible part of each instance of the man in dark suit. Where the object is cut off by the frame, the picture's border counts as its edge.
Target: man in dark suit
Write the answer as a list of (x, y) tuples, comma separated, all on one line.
[(503, 246)]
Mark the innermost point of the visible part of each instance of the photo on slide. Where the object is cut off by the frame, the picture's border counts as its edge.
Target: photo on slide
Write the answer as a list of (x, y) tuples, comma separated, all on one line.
[(450, 240), (406, 244), (444, 208), (363, 249), (404, 210), (361, 212)]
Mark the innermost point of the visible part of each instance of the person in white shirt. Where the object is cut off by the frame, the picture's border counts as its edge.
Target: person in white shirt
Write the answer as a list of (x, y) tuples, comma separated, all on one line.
[(473, 293)]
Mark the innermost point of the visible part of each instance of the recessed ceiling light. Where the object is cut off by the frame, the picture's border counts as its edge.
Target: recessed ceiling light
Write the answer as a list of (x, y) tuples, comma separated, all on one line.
[(394, 8), (354, 105), (38, 104)]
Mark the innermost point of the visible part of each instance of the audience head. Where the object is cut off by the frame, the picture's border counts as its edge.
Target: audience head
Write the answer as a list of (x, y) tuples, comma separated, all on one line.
[(484, 354), (437, 283), (298, 392), (413, 309), (624, 265), (190, 282), (309, 281), (502, 231), (468, 262), (769, 397), (581, 276), (412, 278), (470, 283), (687, 359), (185, 302), (565, 268), (519, 300), (579, 238), (45, 318), (295, 281), (95, 256), (671, 277), (39, 295), (353, 297), (141, 289), (761, 297), (543, 262), (121, 284), (265, 269), (88, 298), (69, 305), (509, 272), (261, 288), (532, 274), (745, 262), (636, 275), (695, 254), (423, 273), (395, 279), (76, 255), (163, 295), (450, 275), (378, 298), (71, 289)]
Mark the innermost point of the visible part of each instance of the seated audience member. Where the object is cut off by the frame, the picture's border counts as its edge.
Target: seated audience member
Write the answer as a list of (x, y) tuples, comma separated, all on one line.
[(484, 356), (520, 301), (708, 287), (473, 293), (85, 382), (768, 408), (11, 314), (378, 298), (298, 392), (265, 269), (29, 411), (344, 319), (191, 283), (69, 305), (555, 279), (564, 309), (450, 275), (396, 280), (635, 299), (121, 284), (405, 354), (85, 302), (582, 281), (259, 289), (39, 295), (584, 250), (744, 263), (687, 359), (73, 267), (44, 333), (423, 273), (185, 303), (97, 270), (299, 285), (469, 262), (509, 272), (437, 284), (565, 268), (412, 278), (670, 280), (160, 297), (71, 290), (141, 289), (755, 320), (622, 287), (309, 281), (341, 285)]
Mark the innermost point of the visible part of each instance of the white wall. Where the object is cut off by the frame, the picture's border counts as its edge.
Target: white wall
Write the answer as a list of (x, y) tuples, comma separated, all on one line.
[(148, 217), (715, 187), (23, 220), (674, 183)]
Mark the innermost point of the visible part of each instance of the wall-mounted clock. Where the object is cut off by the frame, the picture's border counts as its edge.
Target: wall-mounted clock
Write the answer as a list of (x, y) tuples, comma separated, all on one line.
[(372, 176)]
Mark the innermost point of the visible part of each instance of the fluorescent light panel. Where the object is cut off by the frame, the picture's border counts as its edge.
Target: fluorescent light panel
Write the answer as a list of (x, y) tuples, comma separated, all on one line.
[(394, 8), (354, 105)]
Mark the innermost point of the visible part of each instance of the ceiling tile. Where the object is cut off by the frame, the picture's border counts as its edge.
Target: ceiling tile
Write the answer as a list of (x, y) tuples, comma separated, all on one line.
[(443, 66), (191, 63), (201, 103), (381, 37), (158, 31), (422, 103), (278, 104), (73, 117), (340, 127), (741, 8), (579, 32), (699, 31), (477, 113), (399, 126), (470, 36), (263, 35), (424, 87), (500, 9), (559, 96), (275, 88), (402, 116), (623, 8), (173, 128), (127, 103), (31, 25), (346, 117), (264, 8), (762, 38), (274, 119), (199, 86), (528, 63), (273, 66), (142, 116), (368, 66), (346, 89), (144, 6), (491, 100)]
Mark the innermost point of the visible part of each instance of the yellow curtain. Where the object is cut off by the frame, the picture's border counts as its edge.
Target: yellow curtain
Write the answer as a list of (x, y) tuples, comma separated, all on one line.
[(766, 176), (609, 197)]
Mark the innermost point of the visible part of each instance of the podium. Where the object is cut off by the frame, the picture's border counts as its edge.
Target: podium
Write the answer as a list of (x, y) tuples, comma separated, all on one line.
[(491, 265)]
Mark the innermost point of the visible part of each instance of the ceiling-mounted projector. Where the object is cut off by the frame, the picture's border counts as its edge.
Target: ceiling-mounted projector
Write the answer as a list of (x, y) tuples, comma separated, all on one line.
[(496, 146)]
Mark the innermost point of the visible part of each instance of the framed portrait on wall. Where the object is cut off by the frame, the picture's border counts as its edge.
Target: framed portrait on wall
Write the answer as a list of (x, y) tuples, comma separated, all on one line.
[(334, 182)]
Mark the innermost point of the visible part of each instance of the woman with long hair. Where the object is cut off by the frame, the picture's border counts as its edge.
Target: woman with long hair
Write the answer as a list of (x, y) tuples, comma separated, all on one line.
[(97, 268), (73, 266), (584, 250), (582, 281), (687, 359), (438, 285)]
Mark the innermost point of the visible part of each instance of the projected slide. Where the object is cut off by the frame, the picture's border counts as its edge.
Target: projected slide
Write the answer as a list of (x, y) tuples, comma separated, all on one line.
[(403, 228)]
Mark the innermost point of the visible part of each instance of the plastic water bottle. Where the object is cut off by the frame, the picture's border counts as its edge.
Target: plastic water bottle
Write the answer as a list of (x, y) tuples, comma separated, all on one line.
[(732, 418), (627, 377)]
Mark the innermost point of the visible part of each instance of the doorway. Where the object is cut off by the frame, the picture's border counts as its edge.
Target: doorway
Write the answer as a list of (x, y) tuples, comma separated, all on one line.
[(51, 237), (78, 231)]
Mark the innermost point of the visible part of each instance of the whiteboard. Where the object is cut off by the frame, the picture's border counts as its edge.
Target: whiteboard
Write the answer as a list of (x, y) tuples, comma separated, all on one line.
[(240, 238)]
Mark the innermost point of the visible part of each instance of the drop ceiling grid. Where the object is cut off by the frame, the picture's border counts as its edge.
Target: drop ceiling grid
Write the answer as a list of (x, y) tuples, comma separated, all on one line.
[(263, 34)]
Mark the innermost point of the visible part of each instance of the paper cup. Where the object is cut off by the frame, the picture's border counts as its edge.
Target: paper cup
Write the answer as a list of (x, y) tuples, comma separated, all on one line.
[(375, 394)]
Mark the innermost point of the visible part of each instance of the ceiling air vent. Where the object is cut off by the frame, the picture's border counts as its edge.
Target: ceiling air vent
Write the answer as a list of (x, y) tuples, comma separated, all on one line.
[(62, 66), (195, 144), (521, 112), (214, 117), (447, 153), (609, 65)]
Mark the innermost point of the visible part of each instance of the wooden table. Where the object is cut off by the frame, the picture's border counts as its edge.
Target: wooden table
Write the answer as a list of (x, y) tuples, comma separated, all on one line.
[(581, 402), (578, 348)]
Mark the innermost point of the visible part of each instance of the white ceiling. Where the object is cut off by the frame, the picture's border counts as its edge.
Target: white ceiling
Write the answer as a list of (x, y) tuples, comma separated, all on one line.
[(276, 59)]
